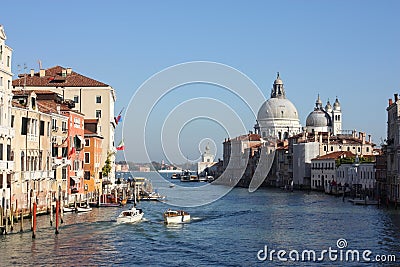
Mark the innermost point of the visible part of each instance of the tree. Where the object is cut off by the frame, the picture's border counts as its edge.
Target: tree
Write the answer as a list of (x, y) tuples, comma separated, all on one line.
[(107, 166)]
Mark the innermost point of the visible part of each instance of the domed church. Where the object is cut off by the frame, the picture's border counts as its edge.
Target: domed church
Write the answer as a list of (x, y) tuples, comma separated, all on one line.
[(278, 117), (326, 119)]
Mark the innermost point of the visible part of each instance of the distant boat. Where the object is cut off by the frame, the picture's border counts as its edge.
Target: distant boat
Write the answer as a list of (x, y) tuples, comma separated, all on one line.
[(171, 186), (83, 209), (175, 176), (130, 216), (210, 178), (153, 196), (185, 176), (176, 216)]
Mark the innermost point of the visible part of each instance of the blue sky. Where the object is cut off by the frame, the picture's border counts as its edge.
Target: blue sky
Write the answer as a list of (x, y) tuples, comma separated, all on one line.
[(348, 49)]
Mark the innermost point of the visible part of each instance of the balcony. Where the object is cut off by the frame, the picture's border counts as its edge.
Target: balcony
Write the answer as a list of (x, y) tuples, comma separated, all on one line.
[(7, 132), (79, 173), (60, 162), (7, 166)]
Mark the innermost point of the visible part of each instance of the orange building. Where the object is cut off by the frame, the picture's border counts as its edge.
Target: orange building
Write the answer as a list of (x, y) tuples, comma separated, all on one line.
[(75, 184), (93, 158)]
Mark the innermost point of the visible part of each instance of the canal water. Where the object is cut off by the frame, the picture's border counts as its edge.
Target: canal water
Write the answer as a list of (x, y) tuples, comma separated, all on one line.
[(232, 231)]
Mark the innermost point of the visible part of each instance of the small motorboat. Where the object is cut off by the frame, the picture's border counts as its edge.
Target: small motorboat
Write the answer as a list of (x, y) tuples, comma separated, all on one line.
[(130, 216), (171, 185), (69, 209), (83, 209), (176, 216)]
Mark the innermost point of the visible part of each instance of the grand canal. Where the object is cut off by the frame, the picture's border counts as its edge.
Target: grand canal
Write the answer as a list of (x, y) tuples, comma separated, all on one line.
[(227, 232)]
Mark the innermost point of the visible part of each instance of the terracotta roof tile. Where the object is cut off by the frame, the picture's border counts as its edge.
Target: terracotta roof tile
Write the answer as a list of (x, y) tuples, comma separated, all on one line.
[(53, 77)]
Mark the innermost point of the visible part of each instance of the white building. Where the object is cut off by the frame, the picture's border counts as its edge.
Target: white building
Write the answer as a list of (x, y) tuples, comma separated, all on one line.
[(278, 117), (6, 132), (207, 160), (303, 153)]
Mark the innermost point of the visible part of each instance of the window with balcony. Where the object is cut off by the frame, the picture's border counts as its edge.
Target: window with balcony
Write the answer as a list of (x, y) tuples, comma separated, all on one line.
[(54, 151)]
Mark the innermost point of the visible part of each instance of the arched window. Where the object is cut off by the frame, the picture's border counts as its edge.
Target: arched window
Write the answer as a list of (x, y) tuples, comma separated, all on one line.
[(22, 161)]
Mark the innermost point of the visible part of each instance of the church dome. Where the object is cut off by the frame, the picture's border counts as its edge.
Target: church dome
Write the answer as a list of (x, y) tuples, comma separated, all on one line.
[(336, 105), (318, 118), (277, 108)]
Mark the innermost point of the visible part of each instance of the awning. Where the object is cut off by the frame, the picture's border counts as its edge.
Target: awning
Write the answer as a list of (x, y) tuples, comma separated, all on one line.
[(76, 179)]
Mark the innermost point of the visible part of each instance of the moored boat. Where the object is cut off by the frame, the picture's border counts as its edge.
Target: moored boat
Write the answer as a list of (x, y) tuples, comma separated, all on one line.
[(83, 209), (176, 216), (69, 209), (130, 216)]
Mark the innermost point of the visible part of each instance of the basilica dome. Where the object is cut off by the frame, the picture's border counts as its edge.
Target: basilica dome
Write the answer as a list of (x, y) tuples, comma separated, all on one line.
[(278, 116), (318, 118), (277, 108)]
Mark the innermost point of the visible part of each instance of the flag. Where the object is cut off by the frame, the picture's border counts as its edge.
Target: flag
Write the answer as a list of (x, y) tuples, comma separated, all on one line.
[(121, 145), (119, 117)]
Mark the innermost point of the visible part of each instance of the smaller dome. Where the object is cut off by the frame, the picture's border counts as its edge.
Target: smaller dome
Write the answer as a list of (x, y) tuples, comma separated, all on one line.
[(328, 107), (336, 105), (318, 118)]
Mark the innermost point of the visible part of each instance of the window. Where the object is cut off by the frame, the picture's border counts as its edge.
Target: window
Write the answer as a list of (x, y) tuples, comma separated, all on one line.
[(8, 84), (54, 151), (86, 175), (64, 152), (87, 157), (64, 173), (8, 61), (87, 142), (9, 153), (98, 114), (24, 126), (12, 121), (1, 52), (41, 128), (64, 126), (98, 99), (76, 99), (1, 81), (54, 125), (1, 151), (48, 128)]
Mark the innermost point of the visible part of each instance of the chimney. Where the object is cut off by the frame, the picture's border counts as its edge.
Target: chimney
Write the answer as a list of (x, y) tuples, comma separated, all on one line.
[(390, 101), (42, 72), (32, 72), (58, 109), (369, 138), (396, 97), (69, 71)]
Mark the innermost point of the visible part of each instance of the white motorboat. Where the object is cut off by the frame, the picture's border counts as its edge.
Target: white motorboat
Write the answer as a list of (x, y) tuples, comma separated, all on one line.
[(176, 216), (83, 209), (130, 216), (68, 209)]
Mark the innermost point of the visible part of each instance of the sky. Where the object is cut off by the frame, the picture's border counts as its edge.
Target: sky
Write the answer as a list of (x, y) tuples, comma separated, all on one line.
[(345, 49)]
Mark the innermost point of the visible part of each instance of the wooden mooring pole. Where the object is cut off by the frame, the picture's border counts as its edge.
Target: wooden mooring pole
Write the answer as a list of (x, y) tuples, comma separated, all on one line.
[(34, 220)]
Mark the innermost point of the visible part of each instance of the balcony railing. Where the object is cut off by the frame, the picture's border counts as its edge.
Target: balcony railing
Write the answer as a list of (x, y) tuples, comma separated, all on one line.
[(6, 165)]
